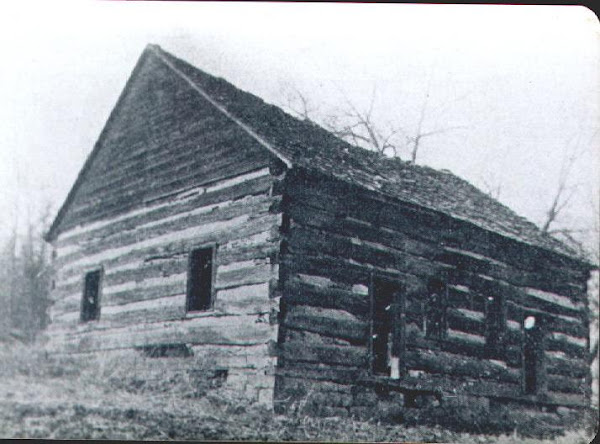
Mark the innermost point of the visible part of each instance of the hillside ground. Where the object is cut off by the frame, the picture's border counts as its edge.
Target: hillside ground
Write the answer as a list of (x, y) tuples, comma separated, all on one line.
[(45, 396)]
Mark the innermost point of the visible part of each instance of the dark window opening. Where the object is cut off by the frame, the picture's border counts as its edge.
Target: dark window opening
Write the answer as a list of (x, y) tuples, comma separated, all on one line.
[(495, 327), (533, 354), (435, 310), (90, 305), (387, 334), (200, 276)]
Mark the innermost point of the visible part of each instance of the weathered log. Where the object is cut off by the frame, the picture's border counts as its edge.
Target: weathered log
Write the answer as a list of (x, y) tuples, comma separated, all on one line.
[(565, 384), (440, 362), (181, 241), (510, 354), (351, 356), (234, 246), (554, 322), (158, 211), (306, 240), (319, 371), (346, 271), (458, 319), (249, 330), (479, 264), (328, 322), (565, 366), (432, 226), (302, 293), (120, 203), (145, 232)]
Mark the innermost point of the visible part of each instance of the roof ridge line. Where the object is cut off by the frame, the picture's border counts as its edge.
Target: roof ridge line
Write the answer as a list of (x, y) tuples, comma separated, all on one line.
[(158, 52)]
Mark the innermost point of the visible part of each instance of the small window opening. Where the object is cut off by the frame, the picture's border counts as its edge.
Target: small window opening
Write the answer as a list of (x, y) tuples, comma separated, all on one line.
[(387, 328), (533, 353), (90, 306), (200, 276), (495, 327), (435, 310)]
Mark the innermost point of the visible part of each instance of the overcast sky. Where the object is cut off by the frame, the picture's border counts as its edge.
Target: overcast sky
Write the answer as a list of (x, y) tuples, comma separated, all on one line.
[(521, 82)]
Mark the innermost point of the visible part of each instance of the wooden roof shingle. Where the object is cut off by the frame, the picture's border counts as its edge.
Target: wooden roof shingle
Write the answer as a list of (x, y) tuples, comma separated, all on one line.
[(304, 144)]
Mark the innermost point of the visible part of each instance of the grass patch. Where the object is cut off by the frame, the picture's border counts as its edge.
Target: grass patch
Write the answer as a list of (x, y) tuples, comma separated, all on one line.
[(127, 396)]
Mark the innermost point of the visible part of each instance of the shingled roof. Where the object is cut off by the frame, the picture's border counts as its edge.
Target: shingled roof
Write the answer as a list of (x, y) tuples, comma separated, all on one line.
[(303, 143)]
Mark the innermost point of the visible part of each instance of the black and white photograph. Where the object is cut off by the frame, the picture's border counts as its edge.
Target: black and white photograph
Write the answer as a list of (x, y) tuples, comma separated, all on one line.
[(299, 221)]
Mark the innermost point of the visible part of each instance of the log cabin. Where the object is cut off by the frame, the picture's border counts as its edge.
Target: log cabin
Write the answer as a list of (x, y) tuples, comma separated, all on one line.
[(208, 221)]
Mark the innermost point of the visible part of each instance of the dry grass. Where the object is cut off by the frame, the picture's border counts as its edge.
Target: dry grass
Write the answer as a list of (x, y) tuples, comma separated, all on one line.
[(116, 397)]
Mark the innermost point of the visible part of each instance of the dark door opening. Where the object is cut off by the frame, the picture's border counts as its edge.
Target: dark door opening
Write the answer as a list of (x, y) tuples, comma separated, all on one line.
[(387, 327), (495, 325), (533, 352)]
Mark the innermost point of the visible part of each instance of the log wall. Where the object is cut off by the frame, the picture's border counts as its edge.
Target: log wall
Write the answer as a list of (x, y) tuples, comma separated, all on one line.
[(336, 237), (172, 174)]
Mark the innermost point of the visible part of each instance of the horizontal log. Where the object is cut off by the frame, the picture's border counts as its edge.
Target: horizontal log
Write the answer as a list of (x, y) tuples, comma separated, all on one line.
[(427, 225), (346, 271), (145, 232), (571, 286), (177, 204), (180, 241), (133, 315), (251, 242), (305, 239), (326, 219), (115, 204), (439, 362), (351, 356), (318, 371), (456, 345), (252, 299), (463, 320), (156, 162), (554, 322), (250, 275), (248, 299), (565, 384), (561, 344), (225, 330), (298, 292), (328, 322), (565, 366), (487, 285)]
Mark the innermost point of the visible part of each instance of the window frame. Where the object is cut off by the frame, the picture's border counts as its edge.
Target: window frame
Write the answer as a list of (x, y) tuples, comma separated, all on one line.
[(189, 283), (84, 316)]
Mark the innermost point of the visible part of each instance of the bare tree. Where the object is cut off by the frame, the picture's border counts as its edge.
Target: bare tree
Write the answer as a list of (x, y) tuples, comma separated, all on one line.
[(566, 188), (359, 126), (415, 140), (492, 186), (24, 280)]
